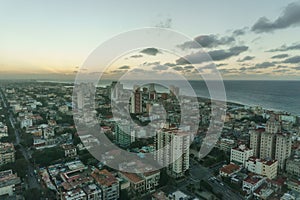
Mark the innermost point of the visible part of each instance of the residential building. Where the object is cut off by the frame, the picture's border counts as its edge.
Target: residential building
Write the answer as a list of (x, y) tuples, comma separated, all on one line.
[(255, 136), (172, 150), (7, 153), (283, 148), (142, 183), (70, 150), (93, 192), (8, 183), (136, 101), (229, 170), (252, 182), (266, 168), (3, 130), (108, 183), (124, 134), (293, 166), (240, 154), (267, 145)]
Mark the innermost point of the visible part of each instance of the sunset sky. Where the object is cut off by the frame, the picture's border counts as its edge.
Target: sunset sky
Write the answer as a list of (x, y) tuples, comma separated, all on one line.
[(246, 39)]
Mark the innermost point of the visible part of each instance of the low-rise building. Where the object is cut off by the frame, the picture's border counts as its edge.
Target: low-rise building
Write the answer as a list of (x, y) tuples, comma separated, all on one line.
[(70, 150), (240, 154), (142, 183), (108, 183), (262, 167), (252, 182), (8, 183), (229, 170), (7, 153), (293, 166)]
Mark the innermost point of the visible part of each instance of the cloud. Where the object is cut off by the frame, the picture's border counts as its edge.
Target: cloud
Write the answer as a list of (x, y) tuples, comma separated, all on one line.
[(136, 56), (150, 51), (297, 68), (239, 32), (246, 58), (264, 65), (281, 70), (290, 17), (292, 60), (281, 67), (295, 46), (170, 64), (124, 67), (224, 54), (216, 55), (151, 63), (207, 41), (178, 68), (160, 67), (221, 64), (280, 56), (165, 24), (189, 67)]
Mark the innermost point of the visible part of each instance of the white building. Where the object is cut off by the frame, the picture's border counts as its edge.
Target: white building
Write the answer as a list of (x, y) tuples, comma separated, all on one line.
[(283, 149), (266, 168), (172, 150), (251, 183), (241, 154)]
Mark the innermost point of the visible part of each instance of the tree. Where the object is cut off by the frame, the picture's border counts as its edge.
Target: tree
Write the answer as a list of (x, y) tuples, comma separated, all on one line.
[(48, 156)]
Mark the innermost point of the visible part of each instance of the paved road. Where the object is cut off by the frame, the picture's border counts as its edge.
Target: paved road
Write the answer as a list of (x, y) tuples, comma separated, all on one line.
[(32, 179), (198, 172)]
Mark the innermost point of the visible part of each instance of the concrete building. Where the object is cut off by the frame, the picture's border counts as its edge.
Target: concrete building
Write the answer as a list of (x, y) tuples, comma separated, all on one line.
[(255, 136), (136, 101), (267, 145), (293, 166), (143, 183), (7, 153), (8, 182), (266, 168), (251, 183), (70, 150), (240, 154), (283, 149), (172, 150), (108, 183), (124, 134), (93, 192)]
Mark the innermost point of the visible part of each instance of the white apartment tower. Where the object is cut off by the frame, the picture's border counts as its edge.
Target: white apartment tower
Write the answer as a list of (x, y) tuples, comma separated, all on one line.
[(283, 149), (172, 149)]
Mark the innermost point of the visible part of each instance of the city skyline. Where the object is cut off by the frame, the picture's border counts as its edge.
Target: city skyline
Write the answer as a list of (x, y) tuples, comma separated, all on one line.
[(52, 40)]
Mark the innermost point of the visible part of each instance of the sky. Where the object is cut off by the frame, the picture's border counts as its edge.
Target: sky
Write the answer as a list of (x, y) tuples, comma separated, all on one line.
[(245, 39)]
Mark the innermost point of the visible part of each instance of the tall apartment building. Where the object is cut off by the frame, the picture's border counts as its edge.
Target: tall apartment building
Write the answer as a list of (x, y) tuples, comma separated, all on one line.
[(272, 143), (240, 154), (172, 149), (267, 145), (136, 101), (255, 136), (124, 134), (7, 153), (283, 148)]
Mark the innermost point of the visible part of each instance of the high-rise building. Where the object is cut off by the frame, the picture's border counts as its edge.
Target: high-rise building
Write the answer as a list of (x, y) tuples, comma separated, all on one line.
[(136, 101), (272, 143), (255, 136), (172, 150), (124, 134), (283, 149), (267, 145)]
